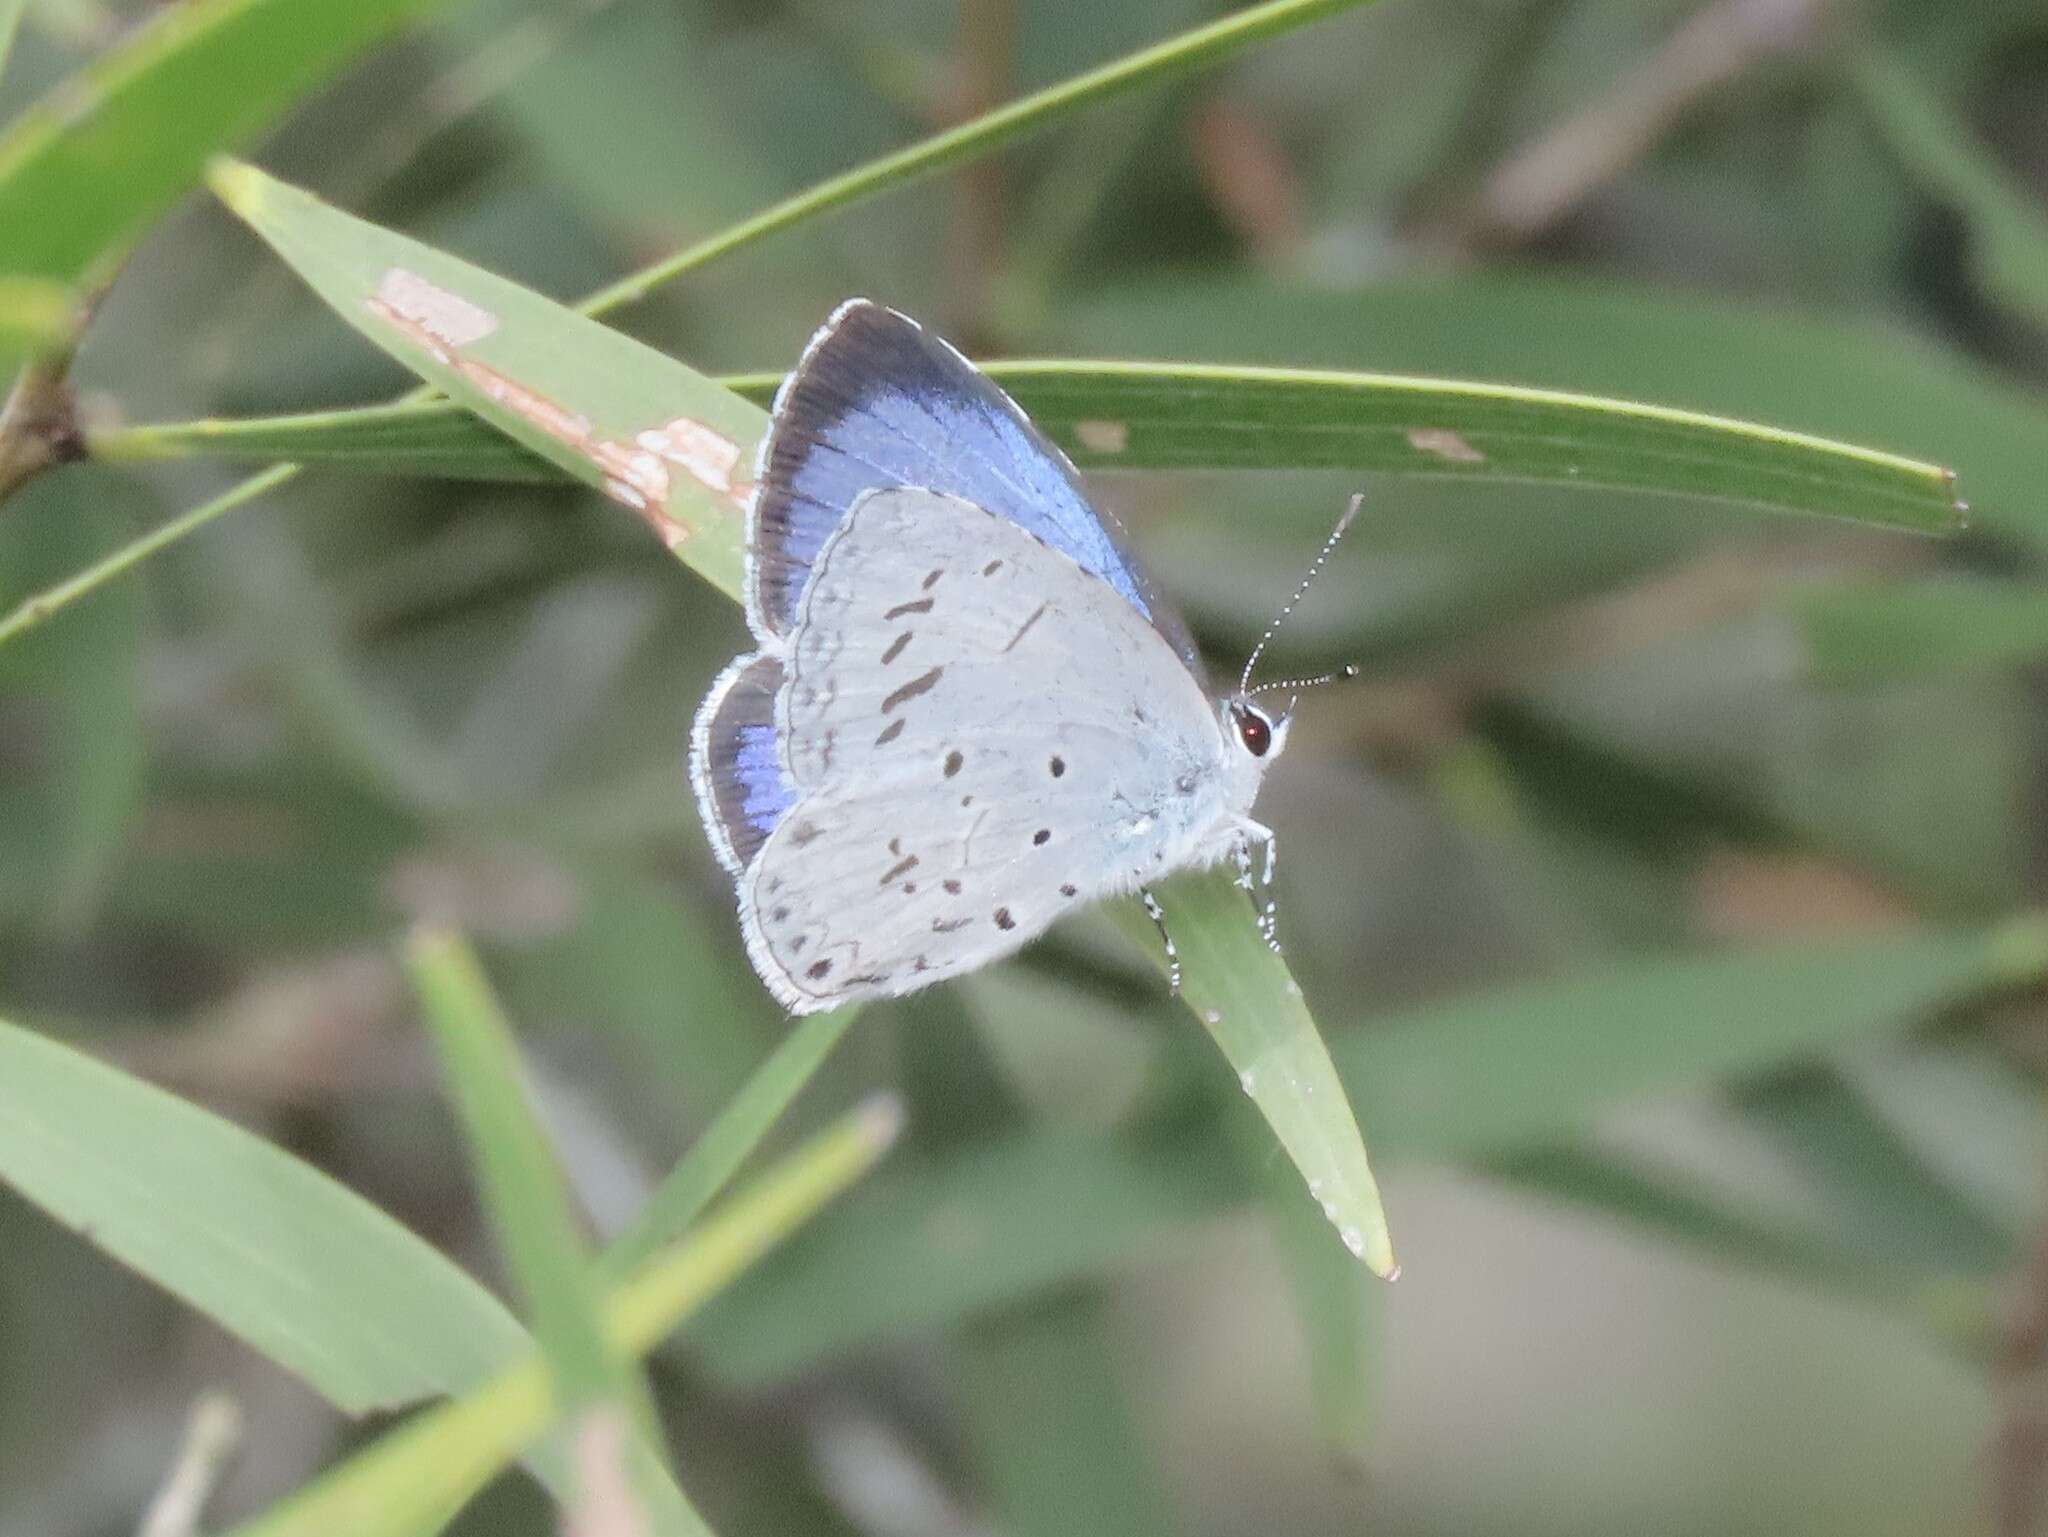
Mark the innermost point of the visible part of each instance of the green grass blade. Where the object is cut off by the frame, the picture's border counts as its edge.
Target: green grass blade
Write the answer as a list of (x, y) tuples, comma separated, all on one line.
[(1491, 1077), (521, 1184), (1169, 416), (582, 396), (1203, 47), (1858, 382), (608, 1416), (66, 817), (34, 610), (2011, 232), (1050, 1426), (1186, 416), (725, 1144), (1523, 1066), (1241, 992), (10, 23), (418, 1473), (85, 172), (1870, 631), (305, 1271), (1897, 1207), (1001, 1220), (1706, 1221), (1336, 1308)]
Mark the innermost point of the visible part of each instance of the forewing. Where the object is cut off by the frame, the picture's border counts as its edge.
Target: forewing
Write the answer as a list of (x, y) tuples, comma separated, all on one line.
[(982, 735), (879, 403)]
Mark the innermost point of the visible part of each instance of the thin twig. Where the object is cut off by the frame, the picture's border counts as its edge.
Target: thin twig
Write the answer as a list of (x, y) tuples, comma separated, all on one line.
[(38, 425), (1544, 181), (974, 232), (2019, 1444), (1182, 55), (213, 1433)]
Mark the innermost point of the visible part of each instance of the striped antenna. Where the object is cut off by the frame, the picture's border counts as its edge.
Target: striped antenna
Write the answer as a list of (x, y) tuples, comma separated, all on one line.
[(1343, 527)]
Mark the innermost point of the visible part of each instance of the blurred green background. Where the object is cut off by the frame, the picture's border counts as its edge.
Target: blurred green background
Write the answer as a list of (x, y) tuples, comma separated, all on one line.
[(1787, 1288)]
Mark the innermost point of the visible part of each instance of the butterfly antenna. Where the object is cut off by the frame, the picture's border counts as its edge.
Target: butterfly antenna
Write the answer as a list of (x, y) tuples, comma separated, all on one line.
[(1348, 670), (1343, 527)]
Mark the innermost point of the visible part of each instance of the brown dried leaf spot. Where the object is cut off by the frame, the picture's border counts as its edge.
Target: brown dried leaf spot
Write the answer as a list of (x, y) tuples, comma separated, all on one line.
[(1103, 437), (1445, 444), (431, 314)]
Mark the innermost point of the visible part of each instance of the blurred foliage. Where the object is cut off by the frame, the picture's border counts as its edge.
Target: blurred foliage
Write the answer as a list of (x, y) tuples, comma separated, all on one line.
[(1667, 890)]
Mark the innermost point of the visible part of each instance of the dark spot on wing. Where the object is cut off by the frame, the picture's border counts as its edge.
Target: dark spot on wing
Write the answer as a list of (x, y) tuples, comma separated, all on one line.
[(908, 861), (918, 606), (910, 888), (922, 963), (1067, 891), (931, 579), (889, 733), (1004, 920), (895, 648), (953, 762), (819, 971), (1042, 837), (1058, 765), (992, 568), (1185, 784), (895, 845), (780, 915), (803, 833), (940, 926), (952, 888), (1037, 614), (796, 945), (923, 683)]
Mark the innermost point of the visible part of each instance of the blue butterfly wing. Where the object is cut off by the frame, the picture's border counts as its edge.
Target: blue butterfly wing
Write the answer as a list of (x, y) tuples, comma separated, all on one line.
[(736, 761), (876, 403)]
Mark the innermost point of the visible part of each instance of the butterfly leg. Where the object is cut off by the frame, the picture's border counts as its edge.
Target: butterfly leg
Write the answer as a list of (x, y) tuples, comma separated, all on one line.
[(1269, 914), (1267, 911), (1158, 916)]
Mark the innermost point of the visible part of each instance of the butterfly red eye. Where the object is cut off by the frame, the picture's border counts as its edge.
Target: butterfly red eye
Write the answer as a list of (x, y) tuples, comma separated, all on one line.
[(1254, 730)]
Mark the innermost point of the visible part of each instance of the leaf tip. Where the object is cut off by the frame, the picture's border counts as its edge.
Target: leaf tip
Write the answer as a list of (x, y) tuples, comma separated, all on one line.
[(1376, 1248), (237, 184), (880, 1121), (1958, 509)]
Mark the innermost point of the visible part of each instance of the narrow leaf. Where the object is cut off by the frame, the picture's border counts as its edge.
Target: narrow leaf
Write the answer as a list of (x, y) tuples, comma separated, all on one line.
[(415, 1475), (1870, 631), (1241, 992), (2010, 232), (304, 1270), (658, 437), (85, 172), (1521, 1066), (1512, 1071), (1174, 416), (521, 1184), (723, 1145), (1050, 1424)]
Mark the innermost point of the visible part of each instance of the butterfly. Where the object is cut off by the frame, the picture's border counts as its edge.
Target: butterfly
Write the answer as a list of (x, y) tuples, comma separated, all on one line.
[(970, 711)]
